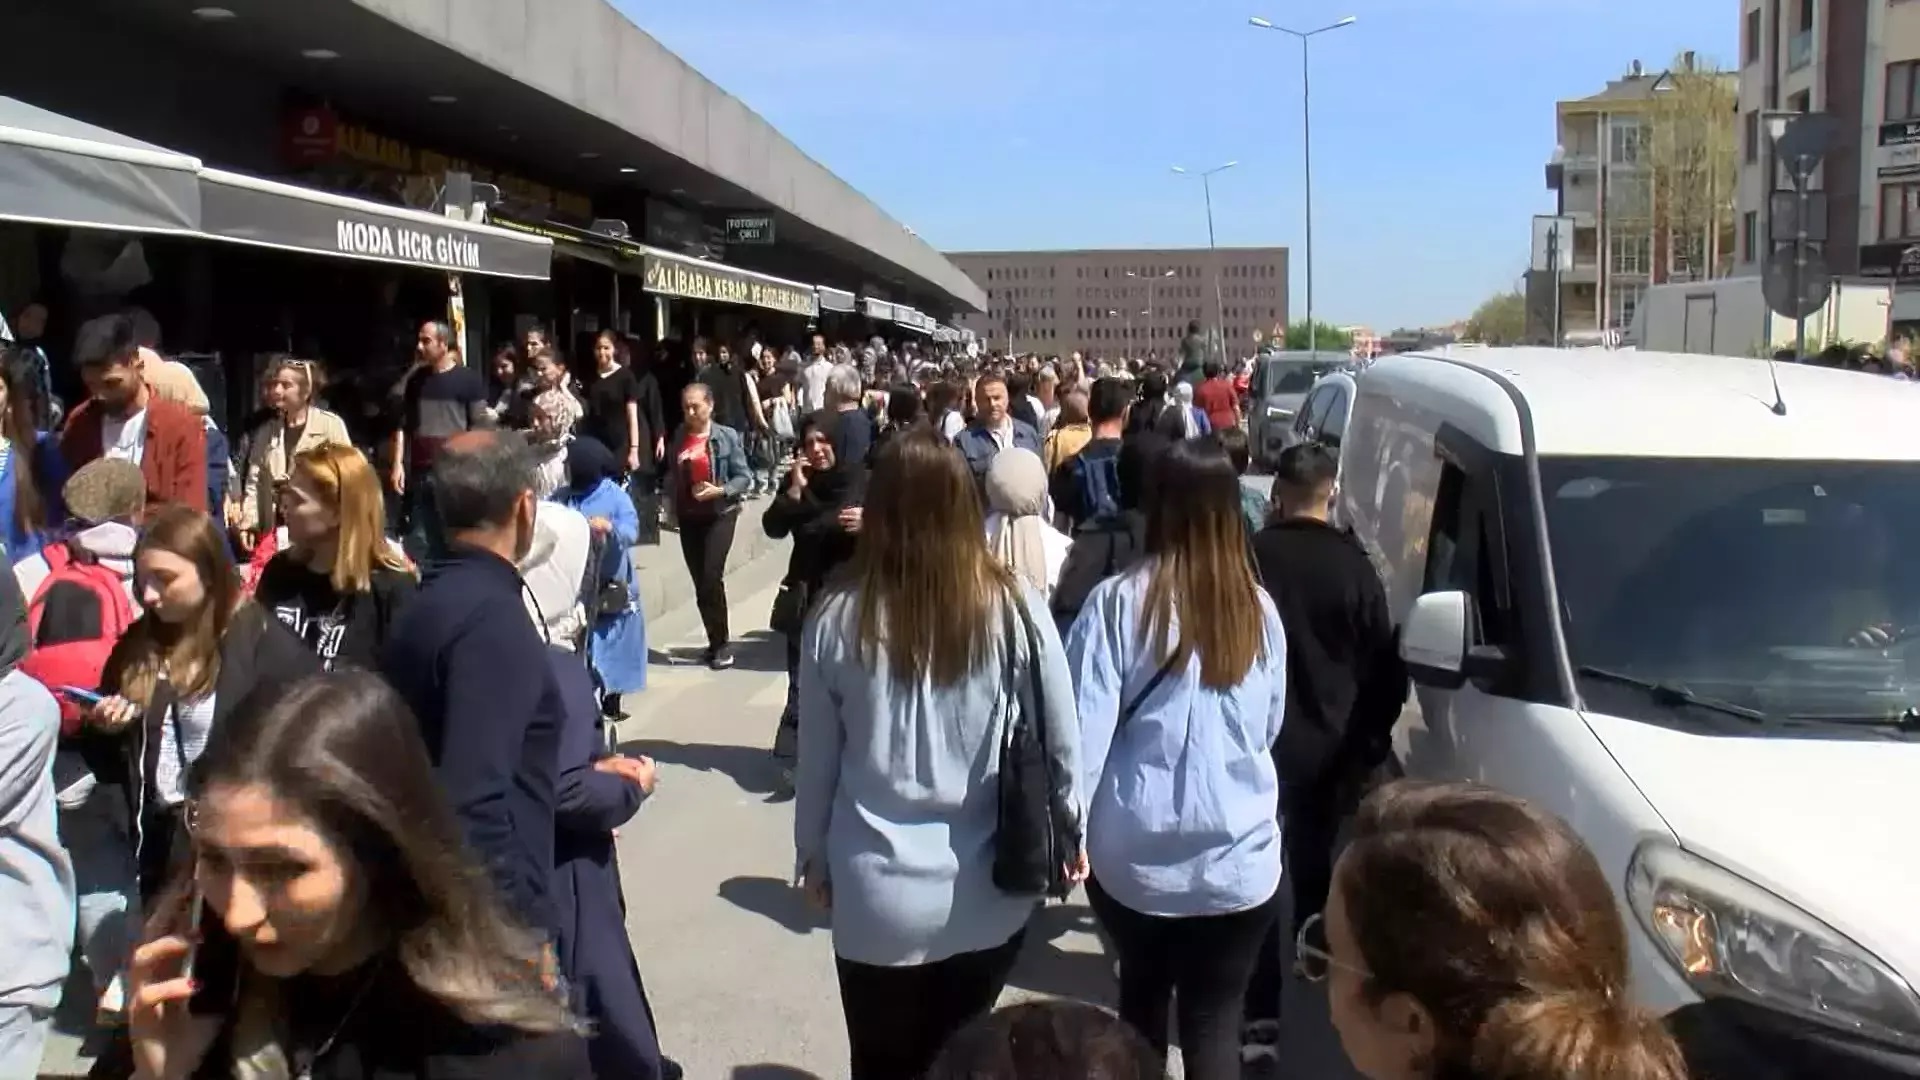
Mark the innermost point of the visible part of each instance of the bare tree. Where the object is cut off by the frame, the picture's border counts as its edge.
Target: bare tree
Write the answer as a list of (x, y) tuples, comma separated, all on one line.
[(1694, 158)]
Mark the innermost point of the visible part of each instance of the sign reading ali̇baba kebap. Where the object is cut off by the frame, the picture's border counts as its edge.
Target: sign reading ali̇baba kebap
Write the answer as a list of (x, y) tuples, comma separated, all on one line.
[(705, 281)]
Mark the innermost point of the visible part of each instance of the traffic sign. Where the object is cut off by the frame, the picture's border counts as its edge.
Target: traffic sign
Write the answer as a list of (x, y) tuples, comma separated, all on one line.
[(1777, 283)]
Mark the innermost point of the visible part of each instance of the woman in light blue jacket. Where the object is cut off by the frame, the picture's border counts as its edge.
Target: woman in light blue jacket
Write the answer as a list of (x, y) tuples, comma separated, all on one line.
[(618, 638), (1181, 685), (905, 690)]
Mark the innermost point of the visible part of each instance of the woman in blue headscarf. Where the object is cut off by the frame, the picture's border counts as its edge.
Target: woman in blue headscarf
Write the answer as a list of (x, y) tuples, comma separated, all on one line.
[(618, 643)]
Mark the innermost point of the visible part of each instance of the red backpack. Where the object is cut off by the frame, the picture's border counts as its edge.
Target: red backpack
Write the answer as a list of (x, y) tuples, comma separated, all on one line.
[(75, 619)]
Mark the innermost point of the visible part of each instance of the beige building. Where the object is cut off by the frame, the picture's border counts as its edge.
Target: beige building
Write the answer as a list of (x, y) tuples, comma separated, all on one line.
[(1858, 60), (1602, 176), (1117, 303)]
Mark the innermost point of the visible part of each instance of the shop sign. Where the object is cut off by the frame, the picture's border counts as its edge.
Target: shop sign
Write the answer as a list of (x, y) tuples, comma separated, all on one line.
[(878, 310), (724, 285), (318, 136), (1900, 260), (1899, 150), (750, 230), (295, 219)]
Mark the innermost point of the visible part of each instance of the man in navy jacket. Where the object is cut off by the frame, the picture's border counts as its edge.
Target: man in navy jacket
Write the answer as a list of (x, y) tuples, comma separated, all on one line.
[(994, 427), (474, 670)]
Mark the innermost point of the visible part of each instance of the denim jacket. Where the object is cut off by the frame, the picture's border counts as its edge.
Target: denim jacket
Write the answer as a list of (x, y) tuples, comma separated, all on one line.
[(730, 469), (979, 447)]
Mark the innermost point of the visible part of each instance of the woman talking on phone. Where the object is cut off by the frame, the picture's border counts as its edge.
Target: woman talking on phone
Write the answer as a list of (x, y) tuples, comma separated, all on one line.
[(342, 930), (181, 668)]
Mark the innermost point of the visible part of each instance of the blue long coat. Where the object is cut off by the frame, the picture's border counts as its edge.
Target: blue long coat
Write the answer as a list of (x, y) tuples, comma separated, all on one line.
[(594, 953), (618, 643)]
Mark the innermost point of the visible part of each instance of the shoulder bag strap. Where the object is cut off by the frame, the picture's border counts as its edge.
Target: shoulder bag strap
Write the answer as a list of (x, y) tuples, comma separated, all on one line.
[(1146, 692)]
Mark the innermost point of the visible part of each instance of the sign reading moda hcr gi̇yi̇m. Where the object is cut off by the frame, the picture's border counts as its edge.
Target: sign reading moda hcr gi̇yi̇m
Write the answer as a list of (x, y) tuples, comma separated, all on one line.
[(669, 276)]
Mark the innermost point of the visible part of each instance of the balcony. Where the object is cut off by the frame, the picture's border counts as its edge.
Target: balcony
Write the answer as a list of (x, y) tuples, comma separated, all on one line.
[(1586, 271), (1800, 50)]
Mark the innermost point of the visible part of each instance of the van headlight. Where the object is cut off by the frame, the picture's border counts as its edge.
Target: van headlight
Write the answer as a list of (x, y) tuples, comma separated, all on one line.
[(1731, 938)]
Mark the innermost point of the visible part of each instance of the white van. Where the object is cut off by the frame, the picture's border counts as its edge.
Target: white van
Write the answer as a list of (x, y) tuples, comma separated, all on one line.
[(1631, 590)]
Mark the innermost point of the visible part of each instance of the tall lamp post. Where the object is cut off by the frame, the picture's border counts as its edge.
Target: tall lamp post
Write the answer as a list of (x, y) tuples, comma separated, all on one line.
[(1213, 251), (1306, 137), (1151, 278)]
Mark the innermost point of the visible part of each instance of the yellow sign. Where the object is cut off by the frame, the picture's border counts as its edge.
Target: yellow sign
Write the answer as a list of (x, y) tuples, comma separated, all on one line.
[(355, 143), (694, 281)]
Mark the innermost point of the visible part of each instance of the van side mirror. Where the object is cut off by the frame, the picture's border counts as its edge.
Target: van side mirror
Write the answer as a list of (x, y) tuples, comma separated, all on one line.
[(1433, 640), (1436, 643)]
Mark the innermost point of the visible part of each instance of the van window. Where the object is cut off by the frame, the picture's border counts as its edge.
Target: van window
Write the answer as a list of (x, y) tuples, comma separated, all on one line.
[(1315, 410), (1462, 551)]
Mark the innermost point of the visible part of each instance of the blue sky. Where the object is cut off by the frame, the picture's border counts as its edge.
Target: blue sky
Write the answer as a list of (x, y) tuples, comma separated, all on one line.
[(1009, 124)]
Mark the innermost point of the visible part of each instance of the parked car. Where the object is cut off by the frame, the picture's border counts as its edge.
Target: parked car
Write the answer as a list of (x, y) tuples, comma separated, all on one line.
[(1280, 382), (1628, 590)]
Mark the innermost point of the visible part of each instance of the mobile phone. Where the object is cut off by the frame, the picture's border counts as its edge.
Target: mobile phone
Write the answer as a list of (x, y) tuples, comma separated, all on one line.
[(81, 695), (213, 962)]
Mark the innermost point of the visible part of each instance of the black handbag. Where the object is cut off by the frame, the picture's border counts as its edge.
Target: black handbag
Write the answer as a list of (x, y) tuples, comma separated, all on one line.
[(1037, 831), (789, 609)]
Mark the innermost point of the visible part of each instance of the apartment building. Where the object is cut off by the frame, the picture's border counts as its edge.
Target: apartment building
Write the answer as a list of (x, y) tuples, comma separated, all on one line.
[(1602, 178), (1858, 60), (1124, 303)]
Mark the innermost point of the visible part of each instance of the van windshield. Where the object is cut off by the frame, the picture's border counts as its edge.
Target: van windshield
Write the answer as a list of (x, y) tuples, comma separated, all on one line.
[(1786, 587), (1295, 376)]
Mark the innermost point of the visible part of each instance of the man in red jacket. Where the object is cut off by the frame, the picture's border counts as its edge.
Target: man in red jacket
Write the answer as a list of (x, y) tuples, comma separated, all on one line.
[(122, 418)]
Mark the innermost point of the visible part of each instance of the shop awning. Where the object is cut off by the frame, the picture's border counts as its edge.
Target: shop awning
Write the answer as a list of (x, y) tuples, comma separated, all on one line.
[(55, 170), (611, 252), (695, 279), (268, 213), (909, 318), (835, 299), (877, 310)]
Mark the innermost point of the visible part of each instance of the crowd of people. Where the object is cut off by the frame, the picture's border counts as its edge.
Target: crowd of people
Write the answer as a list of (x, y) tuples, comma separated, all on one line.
[(304, 743)]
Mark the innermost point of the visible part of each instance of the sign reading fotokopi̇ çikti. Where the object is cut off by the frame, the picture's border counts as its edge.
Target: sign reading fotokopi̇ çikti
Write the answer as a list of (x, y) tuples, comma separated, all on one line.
[(722, 284)]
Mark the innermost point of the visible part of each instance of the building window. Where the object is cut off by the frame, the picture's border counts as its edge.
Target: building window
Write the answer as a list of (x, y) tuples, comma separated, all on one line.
[(1750, 135), (1903, 90), (1806, 14), (1900, 211), (1623, 141), (1629, 254), (1750, 236), (1750, 48), (1628, 301)]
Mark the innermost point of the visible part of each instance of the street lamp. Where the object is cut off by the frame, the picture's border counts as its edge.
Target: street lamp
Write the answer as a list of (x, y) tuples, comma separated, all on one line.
[(1213, 252), (1306, 137), (1151, 278)]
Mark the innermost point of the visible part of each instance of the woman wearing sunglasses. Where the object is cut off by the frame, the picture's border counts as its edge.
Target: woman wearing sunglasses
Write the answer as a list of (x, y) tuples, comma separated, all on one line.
[(296, 426), (1471, 936)]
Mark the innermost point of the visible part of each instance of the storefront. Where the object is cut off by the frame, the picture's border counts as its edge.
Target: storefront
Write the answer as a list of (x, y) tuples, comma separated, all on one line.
[(220, 261), (693, 298)]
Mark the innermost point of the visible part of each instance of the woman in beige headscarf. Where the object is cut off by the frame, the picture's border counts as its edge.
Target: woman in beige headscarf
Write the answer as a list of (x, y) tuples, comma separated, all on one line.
[(1017, 530)]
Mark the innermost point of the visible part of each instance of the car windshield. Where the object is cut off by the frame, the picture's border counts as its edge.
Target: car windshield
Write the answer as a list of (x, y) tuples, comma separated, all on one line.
[(1778, 586)]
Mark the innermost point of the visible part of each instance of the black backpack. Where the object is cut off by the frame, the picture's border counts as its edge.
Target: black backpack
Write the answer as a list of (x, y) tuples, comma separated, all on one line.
[(1102, 548)]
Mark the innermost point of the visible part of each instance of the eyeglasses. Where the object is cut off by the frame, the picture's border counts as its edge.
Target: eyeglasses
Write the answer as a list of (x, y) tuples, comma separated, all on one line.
[(1311, 960)]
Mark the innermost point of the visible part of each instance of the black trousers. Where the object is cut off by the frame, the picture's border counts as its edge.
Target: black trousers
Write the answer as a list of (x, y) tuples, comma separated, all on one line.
[(643, 489), (1310, 820), (705, 545), (1198, 965), (898, 1018)]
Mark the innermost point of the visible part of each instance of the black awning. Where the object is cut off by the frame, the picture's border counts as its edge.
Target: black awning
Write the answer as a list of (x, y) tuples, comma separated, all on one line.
[(835, 299), (676, 275), (268, 213), (55, 170)]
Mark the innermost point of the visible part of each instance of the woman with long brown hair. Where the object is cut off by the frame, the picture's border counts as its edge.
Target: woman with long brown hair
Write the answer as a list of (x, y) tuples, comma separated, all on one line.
[(340, 583), (367, 943), (180, 670), (911, 667), (1181, 672), (1472, 936)]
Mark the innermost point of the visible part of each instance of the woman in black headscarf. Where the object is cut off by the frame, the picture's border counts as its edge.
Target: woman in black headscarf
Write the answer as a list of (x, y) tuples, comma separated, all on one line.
[(820, 508), (618, 642)]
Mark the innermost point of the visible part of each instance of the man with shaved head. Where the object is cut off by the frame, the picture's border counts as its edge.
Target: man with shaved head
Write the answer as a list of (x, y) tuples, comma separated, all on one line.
[(469, 662)]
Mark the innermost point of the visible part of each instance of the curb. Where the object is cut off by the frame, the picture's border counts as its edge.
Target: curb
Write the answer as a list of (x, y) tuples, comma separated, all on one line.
[(662, 575)]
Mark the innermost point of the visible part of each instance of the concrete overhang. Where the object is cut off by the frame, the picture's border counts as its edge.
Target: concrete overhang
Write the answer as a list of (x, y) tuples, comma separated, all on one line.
[(553, 81)]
